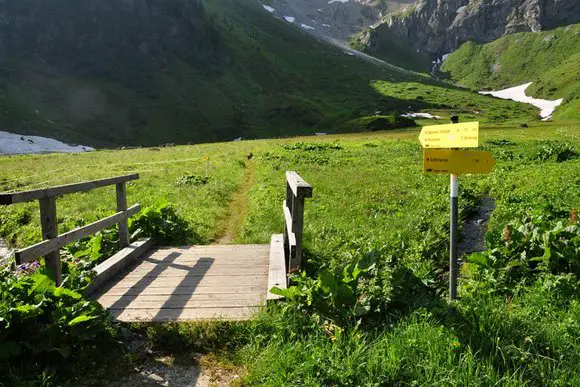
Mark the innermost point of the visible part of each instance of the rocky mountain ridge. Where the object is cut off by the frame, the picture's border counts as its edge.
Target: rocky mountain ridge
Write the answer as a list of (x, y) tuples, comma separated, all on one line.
[(338, 19), (436, 27)]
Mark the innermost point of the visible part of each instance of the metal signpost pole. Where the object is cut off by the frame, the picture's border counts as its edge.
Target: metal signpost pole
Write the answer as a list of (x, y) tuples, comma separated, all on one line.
[(453, 237)]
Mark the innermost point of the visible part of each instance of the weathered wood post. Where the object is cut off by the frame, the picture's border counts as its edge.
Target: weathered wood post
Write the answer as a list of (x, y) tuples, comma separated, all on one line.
[(296, 191), (124, 222), (49, 225)]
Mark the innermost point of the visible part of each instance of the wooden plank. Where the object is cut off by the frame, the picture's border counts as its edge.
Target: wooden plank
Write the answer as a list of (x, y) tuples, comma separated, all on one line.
[(49, 225), (183, 270), (277, 270), (112, 266), (211, 249), (123, 223), (208, 271), (164, 315), (225, 256), (181, 301), (197, 281), (33, 252), (216, 290), (27, 196), (202, 261), (299, 187)]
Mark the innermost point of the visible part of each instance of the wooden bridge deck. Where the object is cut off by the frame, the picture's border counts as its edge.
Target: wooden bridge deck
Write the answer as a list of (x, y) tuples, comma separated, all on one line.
[(190, 283)]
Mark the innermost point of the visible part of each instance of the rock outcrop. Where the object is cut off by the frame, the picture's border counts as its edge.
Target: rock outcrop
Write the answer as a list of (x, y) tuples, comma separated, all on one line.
[(437, 27), (339, 19)]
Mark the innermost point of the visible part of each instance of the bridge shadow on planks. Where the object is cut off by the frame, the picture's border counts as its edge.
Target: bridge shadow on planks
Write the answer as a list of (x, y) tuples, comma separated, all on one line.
[(190, 283)]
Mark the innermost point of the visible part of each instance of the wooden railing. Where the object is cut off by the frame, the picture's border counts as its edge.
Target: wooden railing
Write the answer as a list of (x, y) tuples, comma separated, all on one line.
[(296, 191), (52, 242)]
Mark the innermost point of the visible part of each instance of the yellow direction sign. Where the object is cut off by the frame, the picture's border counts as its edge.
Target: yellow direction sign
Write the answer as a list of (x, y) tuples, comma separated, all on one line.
[(465, 135), (457, 161)]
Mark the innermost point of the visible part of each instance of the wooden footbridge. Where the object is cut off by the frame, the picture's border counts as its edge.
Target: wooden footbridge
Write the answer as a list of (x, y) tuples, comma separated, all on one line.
[(149, 283)]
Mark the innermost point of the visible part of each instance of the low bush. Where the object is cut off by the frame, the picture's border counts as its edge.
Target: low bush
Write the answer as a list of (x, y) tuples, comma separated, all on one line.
[(43, 327), (525, 249), (375, 123)]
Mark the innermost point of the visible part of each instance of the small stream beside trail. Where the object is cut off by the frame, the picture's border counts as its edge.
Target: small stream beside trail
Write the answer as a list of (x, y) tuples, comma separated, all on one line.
[(4, 250), (474, 228)]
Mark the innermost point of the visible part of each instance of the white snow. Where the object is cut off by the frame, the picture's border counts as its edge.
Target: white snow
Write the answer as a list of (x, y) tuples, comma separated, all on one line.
[(445, 57), (11, 143), (326, 25), (290, 19), (307, 27), (518, 93), (461, 9), (338, 1), (268, 8), (421, 115)]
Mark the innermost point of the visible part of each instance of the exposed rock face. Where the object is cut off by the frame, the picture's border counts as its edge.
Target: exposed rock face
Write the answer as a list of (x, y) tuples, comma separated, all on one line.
[(438, 27), (339, 19)]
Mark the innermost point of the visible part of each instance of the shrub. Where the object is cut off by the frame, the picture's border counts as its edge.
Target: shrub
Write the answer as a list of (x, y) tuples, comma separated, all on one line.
[(161, 222), (555, 151), (194, 180), (526, 249), (45, 326), (375, 123)]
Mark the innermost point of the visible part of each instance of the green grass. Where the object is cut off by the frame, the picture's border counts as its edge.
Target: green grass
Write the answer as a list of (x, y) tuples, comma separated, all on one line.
[(371, 199), (161, 169), (550, 59)]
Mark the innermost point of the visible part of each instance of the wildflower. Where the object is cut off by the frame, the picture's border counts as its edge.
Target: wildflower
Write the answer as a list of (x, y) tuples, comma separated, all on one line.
[(507, 233), (573, 216), (28, 268)]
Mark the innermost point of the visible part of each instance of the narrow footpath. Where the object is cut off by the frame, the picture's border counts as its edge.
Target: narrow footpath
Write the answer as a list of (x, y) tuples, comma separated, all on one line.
[(231, 225)]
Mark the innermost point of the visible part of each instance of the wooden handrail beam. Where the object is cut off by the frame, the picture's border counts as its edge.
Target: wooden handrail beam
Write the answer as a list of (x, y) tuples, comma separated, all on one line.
[(50, 245), (299, 187), (28, 196)]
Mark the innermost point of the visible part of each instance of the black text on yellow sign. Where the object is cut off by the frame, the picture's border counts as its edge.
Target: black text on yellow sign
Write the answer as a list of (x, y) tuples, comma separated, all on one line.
[(465, 135), (457, 161)]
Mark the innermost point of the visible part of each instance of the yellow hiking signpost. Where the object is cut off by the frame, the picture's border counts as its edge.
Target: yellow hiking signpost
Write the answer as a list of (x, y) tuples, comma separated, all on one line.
[(457, 161), (454, 162), (464, 135)]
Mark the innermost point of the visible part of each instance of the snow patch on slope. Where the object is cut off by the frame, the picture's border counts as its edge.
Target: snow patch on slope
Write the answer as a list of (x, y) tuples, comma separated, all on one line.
[(307, 27), (289, 19), (518, 93), (12, 144), (268, 8), (421, 115)]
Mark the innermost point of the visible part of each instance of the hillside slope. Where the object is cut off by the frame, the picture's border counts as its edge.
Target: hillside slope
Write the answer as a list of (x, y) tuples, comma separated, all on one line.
[(145, 72), (550, 59)]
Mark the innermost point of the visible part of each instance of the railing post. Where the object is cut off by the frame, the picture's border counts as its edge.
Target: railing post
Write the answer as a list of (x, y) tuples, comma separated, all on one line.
[(122, 206), (297, 229), (49, 227)]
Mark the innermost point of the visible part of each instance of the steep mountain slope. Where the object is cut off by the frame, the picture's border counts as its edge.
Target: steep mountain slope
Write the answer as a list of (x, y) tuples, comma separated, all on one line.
[(151, 71), (109, 73), (438, 27), (550, 59)]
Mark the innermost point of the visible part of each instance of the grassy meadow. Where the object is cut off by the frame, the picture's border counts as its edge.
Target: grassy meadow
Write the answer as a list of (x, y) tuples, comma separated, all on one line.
[(550, 59), (370, 306)]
